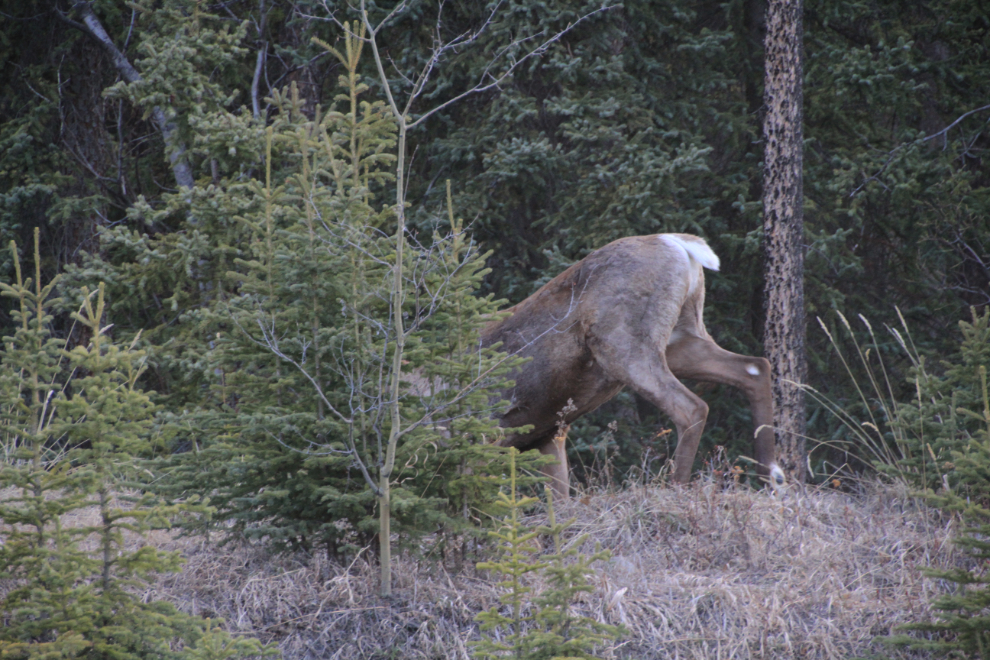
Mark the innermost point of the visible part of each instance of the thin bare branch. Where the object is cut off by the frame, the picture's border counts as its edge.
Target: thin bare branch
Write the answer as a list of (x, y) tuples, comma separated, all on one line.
[(896, 150), (271, 344)]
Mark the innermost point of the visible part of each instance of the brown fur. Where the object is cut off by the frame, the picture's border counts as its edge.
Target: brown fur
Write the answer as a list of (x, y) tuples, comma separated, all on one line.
[(628, 315)]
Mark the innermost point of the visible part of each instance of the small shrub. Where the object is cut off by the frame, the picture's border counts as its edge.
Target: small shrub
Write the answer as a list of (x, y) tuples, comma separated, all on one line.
[(72, 423), (538, 626), (913, 441), (939, 444), (963, 624)]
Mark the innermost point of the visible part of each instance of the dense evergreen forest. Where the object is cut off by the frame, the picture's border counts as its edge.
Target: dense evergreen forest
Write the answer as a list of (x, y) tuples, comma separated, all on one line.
[(618, 119), (249, 247)]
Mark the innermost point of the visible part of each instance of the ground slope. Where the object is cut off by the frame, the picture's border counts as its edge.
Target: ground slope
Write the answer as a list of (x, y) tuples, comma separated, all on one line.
[(697, 572)]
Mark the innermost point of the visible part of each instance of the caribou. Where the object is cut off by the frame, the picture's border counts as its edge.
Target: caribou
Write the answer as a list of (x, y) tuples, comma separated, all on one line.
[(627, 315)]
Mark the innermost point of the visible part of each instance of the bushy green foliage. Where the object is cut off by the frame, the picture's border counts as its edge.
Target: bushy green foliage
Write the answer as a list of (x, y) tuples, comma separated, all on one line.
[(538, 626), (963, 625), (184, 57), (73, 423), (931, 427), (289, 437)]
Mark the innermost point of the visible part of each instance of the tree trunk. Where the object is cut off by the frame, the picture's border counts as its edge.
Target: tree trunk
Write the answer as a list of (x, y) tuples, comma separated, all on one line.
[(782, 227), (174, 147), (84, 135)]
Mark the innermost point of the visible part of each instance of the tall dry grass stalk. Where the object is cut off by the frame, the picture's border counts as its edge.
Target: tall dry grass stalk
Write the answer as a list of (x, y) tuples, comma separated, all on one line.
[(697, 572), (882, 437)]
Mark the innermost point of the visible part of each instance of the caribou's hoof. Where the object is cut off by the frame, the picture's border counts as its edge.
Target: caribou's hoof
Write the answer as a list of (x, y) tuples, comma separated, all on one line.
[(776, 476)]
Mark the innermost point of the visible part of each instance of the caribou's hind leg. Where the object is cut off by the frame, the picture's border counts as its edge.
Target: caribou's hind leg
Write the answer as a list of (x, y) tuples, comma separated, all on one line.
[(702, 359), (644, 369)]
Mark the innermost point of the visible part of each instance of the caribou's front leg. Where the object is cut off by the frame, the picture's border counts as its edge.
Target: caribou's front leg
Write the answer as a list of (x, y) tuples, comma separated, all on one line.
[(558, 472), (552, 444)]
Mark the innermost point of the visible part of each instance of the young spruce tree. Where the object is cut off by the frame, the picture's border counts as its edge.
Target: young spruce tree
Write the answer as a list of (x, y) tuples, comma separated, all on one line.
[(73, 422), (542, 626), (291, 440), (931, 428), (963, 624)]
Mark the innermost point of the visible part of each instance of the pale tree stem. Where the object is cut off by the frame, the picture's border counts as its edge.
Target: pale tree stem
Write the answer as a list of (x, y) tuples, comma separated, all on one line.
[(259, 63), (384, 486), (394, 408), (255, 82)]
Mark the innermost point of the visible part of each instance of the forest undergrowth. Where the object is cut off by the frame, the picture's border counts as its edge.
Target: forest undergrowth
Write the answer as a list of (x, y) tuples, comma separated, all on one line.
[(702, 571)]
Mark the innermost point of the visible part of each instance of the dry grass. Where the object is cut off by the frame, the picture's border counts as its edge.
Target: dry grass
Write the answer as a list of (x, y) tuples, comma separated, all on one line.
[(696, 572)]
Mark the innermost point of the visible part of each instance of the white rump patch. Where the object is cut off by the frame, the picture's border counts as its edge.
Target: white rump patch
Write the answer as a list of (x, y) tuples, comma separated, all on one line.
[(696, 248), (752, 370)]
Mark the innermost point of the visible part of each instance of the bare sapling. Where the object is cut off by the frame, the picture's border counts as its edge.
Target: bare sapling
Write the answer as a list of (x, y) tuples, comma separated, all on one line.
[(408, 115)]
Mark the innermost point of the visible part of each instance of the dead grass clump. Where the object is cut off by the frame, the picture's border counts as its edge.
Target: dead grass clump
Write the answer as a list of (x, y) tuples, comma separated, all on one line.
[(710, 573), (696, 572)]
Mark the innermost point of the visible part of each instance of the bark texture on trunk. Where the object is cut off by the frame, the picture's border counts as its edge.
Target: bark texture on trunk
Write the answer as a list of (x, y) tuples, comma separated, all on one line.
[(84, 135), (782, 226)]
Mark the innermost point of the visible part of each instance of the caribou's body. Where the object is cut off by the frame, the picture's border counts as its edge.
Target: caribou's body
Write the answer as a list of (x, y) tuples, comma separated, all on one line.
[(628, 315)]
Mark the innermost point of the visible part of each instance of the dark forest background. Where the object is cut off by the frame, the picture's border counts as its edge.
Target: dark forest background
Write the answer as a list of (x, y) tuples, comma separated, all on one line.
[(643, 118)]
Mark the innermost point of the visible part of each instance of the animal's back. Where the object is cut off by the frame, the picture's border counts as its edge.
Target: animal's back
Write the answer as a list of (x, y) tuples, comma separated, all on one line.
[(624, 272)]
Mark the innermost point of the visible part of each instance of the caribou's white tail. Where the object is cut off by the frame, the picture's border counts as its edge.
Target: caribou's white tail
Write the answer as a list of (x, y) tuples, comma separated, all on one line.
[(696, 249)]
